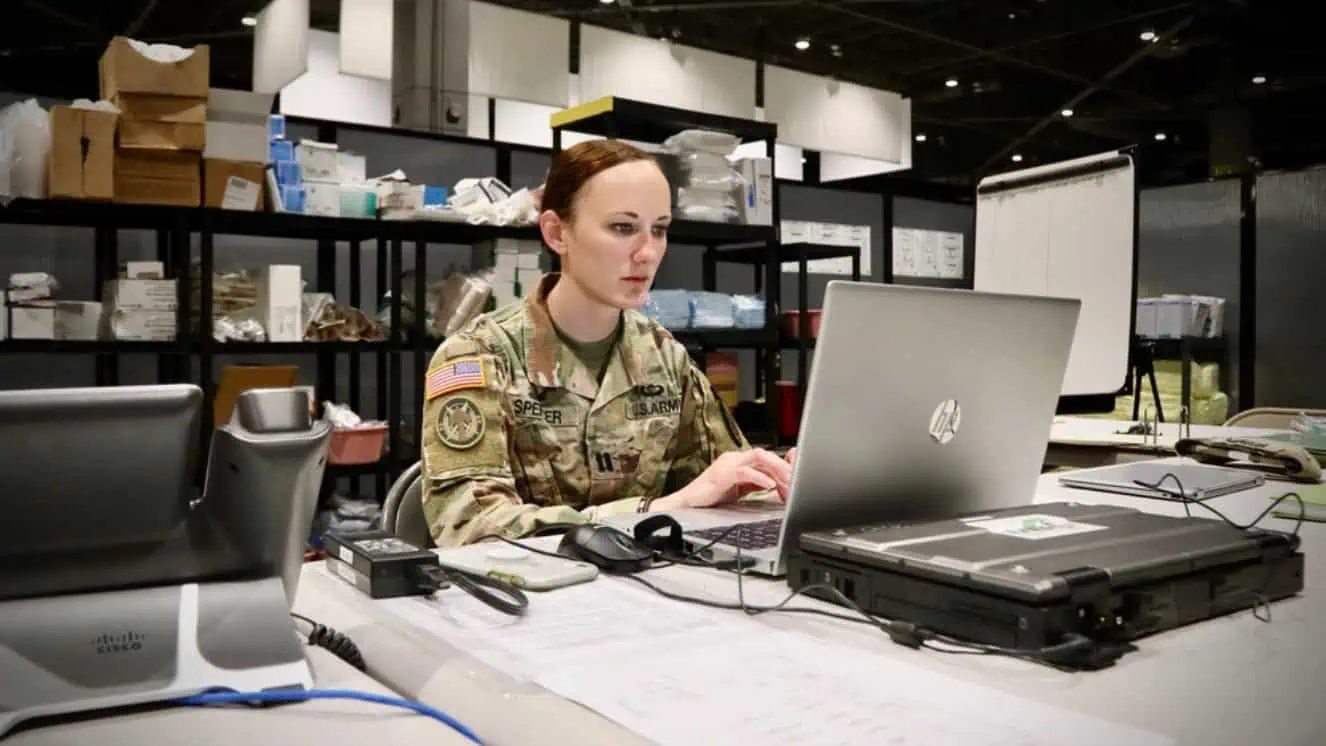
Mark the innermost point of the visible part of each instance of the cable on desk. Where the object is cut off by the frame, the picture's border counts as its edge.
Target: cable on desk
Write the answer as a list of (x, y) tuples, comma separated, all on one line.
[(336, 643), (283, 696), (487, 589), (1261, 611), (1182, 495)]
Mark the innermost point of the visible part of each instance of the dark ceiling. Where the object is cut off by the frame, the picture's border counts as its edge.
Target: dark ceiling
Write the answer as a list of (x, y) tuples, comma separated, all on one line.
[(988, 79)]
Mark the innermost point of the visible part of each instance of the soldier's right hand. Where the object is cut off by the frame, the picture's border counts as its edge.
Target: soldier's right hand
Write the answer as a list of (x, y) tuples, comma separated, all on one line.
[(732, 476)]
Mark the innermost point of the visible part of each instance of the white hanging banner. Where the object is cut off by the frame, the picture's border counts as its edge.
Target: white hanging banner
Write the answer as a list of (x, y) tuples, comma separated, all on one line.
[(280, 45), (366, 38)]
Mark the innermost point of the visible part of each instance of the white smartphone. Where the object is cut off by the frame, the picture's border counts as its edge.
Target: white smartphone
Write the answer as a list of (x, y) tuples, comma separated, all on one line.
[(522, 568)]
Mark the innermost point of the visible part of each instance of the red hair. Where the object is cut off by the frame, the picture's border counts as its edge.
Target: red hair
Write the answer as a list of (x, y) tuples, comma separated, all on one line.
[(574, 167)]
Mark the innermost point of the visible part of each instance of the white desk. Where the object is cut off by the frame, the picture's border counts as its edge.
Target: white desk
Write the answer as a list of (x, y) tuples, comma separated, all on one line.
[(320, 723), (1089, 442), (1232, 681)]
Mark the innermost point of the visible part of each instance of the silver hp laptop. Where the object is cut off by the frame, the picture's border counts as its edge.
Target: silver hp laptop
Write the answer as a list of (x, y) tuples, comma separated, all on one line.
[(923, 403)]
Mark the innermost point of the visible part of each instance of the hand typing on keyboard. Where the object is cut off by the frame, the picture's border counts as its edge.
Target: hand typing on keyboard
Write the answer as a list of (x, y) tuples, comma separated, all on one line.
[(732, 476)]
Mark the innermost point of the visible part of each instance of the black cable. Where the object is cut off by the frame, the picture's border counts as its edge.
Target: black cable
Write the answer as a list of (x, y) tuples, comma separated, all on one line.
[(1261, 610), (486, 589), (1188, 500), (336, 643)]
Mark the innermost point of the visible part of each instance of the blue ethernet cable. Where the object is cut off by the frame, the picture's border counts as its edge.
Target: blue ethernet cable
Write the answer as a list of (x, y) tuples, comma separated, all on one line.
[(303, 695)]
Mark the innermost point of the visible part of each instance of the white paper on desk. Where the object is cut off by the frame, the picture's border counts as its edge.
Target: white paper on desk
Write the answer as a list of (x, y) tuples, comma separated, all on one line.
[(564, 627), (782, 689)]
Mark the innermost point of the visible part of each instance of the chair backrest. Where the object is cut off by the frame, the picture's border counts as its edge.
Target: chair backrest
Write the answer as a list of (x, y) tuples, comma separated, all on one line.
[(403, 510), (1271, 418)]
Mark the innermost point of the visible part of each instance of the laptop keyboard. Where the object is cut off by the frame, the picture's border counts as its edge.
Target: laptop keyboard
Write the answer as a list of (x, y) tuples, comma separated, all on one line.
[(747, 536)]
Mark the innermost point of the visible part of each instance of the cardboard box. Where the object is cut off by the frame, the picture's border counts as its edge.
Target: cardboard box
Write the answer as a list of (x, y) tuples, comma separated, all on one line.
[(145, 107), (34, 320), (317, 160), (233, 185), (133, 325), (124, 69), (149, 135), (238, 125), (77, 320), (322, 198), (76, 171), (280, 305), (141, 295), (158, 177)]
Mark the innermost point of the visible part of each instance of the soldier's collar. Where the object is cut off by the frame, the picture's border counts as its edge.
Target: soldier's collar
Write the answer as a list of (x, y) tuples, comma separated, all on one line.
[(542, 344)]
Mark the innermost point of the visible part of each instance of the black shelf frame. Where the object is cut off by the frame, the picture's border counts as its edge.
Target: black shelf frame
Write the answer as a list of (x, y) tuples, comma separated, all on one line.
[(615, 117)]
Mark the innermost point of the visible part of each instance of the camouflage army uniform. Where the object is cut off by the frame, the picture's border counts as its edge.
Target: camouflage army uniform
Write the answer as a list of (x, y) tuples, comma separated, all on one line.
[(519, 434)]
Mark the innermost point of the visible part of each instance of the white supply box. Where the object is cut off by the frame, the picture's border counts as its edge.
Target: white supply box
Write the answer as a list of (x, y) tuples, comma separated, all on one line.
[(317, 160), (757, 198), (32, 320), (138, 309), (322, 198), (281, 302), (77, 320)]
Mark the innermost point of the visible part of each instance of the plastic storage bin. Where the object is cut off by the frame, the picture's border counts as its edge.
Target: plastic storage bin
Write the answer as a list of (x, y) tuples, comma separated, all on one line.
[(357, 445)]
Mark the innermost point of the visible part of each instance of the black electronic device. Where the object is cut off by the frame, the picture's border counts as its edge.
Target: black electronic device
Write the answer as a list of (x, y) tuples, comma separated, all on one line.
[(383, 565), (609, 549), (1033, 578)]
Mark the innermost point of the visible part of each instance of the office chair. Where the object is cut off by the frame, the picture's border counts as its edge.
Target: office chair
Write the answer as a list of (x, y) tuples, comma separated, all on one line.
[(403, 510)]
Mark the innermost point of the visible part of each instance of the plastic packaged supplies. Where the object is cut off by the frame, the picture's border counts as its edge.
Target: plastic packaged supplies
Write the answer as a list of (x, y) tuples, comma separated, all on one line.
[(712, 185), (671, 308), (748, 312), (711, 310)]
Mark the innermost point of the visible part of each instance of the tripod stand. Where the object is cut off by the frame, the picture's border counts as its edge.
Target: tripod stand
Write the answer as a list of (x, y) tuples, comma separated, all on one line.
[(1144, 363)]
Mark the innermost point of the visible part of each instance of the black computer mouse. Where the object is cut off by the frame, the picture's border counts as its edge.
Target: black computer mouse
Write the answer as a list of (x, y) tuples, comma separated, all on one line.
[(609, 549)]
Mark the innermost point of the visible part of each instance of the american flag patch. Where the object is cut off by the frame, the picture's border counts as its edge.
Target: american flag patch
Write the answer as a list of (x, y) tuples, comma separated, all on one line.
[(466, 373)]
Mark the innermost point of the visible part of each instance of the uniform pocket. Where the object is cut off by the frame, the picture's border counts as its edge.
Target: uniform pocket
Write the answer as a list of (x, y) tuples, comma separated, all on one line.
[(536, 448)]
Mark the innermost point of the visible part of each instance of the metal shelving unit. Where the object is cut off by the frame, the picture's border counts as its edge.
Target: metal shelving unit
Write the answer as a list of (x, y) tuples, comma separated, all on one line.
[(175, 228)]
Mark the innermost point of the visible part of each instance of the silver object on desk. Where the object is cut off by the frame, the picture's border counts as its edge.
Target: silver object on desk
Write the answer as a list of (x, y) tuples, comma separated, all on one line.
[(1157, 479), (962, 425), (117, 586)]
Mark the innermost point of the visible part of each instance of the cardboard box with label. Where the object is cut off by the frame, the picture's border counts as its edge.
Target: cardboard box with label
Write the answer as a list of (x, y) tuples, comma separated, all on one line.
[(158, 177), (140, 310), (233, 185), (82, 161)]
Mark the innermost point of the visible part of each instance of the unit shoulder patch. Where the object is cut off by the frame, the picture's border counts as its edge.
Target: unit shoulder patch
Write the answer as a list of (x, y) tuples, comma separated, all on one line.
[(460, 424), (455, 374)]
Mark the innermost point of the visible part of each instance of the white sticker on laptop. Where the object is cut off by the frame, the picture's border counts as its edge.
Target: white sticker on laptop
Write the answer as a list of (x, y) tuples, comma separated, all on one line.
[(1035, 527)]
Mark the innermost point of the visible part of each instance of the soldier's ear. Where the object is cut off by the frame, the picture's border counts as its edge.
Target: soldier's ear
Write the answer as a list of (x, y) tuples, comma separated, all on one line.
[(553, 229)]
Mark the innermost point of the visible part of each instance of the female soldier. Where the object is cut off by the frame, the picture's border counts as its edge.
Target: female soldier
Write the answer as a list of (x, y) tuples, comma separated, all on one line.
[(571, 405)]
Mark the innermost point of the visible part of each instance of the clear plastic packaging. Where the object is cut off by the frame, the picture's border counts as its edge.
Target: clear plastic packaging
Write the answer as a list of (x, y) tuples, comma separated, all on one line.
[(670, 308), (708, 141), (748, 311), (711, 310), (708, 213)]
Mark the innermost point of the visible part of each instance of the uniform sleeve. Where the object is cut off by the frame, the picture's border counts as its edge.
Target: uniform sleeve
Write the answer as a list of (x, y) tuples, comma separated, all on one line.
[(707, 430), (470, 489)]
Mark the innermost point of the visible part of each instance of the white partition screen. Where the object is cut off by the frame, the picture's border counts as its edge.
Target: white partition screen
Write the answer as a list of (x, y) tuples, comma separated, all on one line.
[(1068, 229)]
